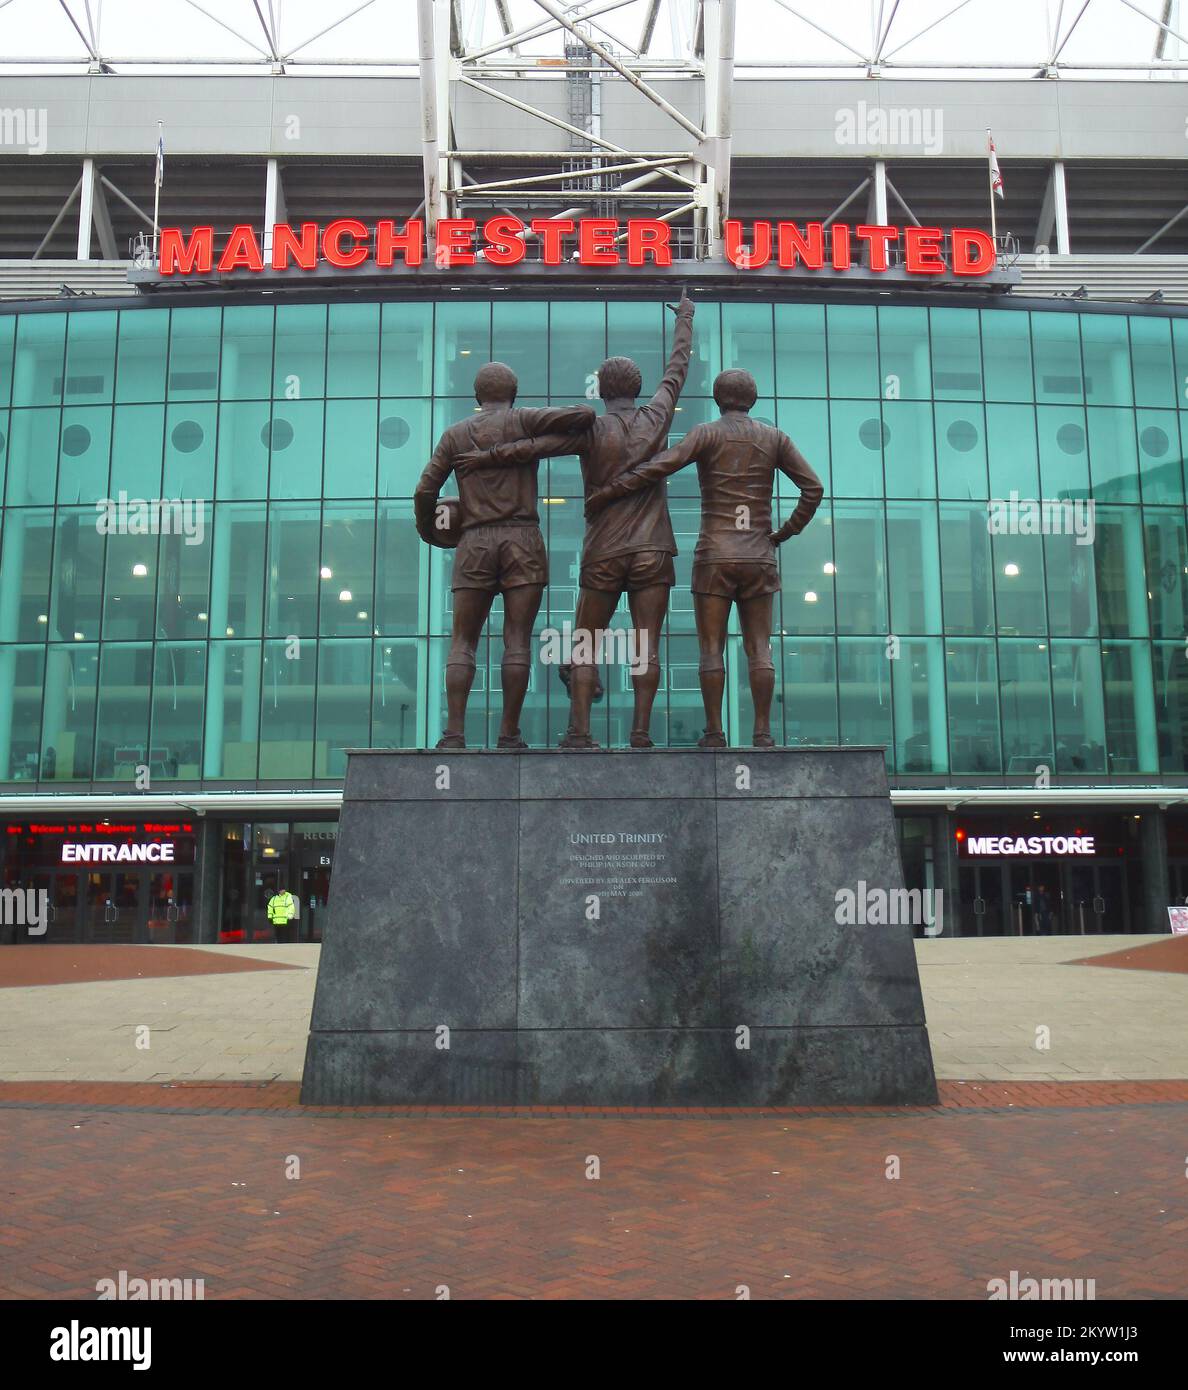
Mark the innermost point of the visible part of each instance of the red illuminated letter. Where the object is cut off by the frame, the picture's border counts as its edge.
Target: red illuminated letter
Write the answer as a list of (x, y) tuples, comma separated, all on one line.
[(648, 236), (242, 251), (388, 241), (840, 248), (967, 240), (183, 256), (551, 230), (596, 241), (288, 249), (923, 246), (455, 241), (332, 238), (809, 248), (748, 257), (505, 241), (878, 238)]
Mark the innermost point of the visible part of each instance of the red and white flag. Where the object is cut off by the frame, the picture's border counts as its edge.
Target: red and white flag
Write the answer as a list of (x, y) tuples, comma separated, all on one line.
[(995, 171)]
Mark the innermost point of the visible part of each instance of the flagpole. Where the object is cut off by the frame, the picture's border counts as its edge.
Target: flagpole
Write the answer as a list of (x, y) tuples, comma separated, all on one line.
[(157, 185), (990, 177)]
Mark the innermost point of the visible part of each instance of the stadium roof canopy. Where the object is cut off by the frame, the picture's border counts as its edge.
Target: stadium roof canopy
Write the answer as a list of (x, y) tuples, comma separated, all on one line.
[(1140, 39)]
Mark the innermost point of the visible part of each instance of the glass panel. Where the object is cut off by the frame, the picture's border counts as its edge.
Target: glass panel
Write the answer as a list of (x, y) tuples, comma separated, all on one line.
[(1151, 353), (244, 433), (918, 691), (861, 568), (32, 455), (1019, 584), (406, 350), (1129, 708), (913, 563), (807, 424), (1160, 460), (864, 684), (85, 454), (295, 449), (299, 364), (462, 343), (1057, 345), (405, 444), (122, 728), (246, 367), (857, 438), (90, 358), (956, 355), (141, 362), (966, 565), (179, 685), (237, 571), (1078, 707), (904, 355), (577, 347), (294, 536), (77, 578), (190, 434), (747, 343), (1026, 706), (194, 354), (1171, 705), (398, 692), (25, 576), (853, 351), (22, 689), (348, 543), (68, 719), (183, 590), (7, 338), (519, 337), (807, 568), (129, 591), (960, 450), (808, 694), (351, 449), (1112, 459), (37, 370), (1006, 356), (138, 439), (1121, 571), (1064, 458), (800, 349), (352, 357), (971, 675), (232, 711), (1013, 451), (909, 465), (287, 711), (1068, 563), (344, 699), (1106, 348), (402, 570), (1167, 573)]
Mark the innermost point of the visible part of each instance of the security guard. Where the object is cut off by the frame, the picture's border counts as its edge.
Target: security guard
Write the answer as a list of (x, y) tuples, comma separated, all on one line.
[(282, 908)]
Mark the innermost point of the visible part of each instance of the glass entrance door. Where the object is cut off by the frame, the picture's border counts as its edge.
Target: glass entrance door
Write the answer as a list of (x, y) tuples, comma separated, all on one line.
[(170, 897), (113, 908)]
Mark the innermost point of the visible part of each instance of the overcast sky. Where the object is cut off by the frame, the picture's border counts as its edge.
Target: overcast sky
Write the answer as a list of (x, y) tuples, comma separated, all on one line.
[(1009, 31)]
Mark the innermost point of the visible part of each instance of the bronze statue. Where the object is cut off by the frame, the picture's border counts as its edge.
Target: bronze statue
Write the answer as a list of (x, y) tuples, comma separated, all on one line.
[(627, 548), (500, 549), (734, 561)]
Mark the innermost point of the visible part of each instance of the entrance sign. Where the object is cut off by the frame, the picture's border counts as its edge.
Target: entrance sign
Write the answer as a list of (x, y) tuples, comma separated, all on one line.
[(1030, 844), (116, 854)]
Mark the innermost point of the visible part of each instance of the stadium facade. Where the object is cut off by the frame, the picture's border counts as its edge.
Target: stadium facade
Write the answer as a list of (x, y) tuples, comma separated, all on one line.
[(210, 581)]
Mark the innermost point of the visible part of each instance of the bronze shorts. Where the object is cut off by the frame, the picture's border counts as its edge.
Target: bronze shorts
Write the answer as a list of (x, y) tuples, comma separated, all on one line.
[(495, 558), (640, 569), (736, 579)]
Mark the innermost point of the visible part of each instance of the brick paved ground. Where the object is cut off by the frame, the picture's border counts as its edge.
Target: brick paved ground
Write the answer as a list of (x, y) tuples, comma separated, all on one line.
[(1073, 1181)]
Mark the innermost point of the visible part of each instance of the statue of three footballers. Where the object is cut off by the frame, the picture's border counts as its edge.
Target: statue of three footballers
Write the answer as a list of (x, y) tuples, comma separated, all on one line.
[(629, 544)]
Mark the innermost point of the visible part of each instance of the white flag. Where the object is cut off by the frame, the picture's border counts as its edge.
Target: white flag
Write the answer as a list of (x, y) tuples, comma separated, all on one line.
[(995, 171), (159, 177)]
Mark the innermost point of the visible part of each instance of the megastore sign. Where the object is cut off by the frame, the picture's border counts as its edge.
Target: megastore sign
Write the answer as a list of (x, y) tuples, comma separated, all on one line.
[(346, 244)]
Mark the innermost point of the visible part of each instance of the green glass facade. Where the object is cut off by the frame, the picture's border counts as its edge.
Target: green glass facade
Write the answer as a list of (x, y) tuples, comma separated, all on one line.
[(310, 618)]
